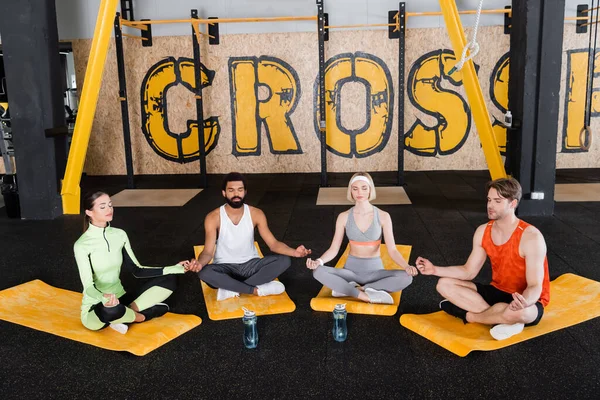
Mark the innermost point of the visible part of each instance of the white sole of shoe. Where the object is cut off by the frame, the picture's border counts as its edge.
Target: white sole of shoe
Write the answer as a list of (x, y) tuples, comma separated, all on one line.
[(227, 295), (337, 294), (386, 298), (505, 331), (275, 289), (121, 328)]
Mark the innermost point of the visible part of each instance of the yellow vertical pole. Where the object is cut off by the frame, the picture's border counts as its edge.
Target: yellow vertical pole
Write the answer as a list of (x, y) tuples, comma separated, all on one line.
[(71, 191), (474, 93)]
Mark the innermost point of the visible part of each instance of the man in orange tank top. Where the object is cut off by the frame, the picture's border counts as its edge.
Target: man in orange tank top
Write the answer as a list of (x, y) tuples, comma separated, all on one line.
[(520, 287)]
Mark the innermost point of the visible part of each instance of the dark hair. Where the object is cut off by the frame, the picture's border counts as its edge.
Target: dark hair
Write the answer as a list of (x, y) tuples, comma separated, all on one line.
[(88, 204), (233, 177), (509, 188)]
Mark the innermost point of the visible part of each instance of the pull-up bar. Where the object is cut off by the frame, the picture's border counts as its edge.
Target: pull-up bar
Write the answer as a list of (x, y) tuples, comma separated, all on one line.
[(134, 36), (590, 23), (439, 13), (419, 14), (356, 26), (142, 24), (136, 24), (590, 9)]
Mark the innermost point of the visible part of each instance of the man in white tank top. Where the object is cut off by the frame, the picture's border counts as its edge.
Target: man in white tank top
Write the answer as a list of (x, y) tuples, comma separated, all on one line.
[(229, 242)]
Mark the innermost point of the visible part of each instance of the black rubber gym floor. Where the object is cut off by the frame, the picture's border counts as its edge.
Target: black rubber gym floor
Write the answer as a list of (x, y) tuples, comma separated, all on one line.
[(296, 356)]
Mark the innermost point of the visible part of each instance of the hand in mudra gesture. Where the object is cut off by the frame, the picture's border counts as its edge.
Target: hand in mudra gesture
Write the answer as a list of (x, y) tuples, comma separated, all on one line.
[(301, 251)]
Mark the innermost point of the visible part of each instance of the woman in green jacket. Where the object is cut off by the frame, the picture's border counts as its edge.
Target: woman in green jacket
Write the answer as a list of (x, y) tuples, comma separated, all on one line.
[(100, 253)]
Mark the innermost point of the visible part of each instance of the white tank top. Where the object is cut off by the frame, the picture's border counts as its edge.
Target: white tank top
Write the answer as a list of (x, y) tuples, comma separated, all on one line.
[(235, 244)]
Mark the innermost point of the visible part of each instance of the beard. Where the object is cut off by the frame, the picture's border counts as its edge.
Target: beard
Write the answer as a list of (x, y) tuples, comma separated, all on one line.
[(495, 215), (235, 202)]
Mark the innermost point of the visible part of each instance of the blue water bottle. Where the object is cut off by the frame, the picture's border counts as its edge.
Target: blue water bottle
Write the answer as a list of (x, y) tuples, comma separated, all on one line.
[(250, 332), (340, 330)]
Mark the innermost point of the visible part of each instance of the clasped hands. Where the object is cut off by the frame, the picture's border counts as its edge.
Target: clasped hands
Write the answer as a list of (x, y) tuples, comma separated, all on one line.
[(194, 265)]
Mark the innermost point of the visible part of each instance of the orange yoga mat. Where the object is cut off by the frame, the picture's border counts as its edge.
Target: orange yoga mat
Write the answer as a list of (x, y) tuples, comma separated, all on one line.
[(573, 299), (232, 308), (40, 306), (325, 302)]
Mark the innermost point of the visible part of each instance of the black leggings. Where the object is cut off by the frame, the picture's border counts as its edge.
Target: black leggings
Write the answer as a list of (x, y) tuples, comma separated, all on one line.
[(108, 314)]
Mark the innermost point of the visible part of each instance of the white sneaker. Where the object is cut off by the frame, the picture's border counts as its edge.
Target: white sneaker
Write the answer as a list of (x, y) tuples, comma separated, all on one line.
[(504, 331), (121, 328), (224, 294), (270, 288), (340, 294), (379, 296)]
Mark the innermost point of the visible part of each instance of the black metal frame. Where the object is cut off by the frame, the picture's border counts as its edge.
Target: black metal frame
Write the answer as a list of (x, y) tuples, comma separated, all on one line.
[(8, 169), (146, 34), (199, 104), (589, 85), (124, 104), (213, 31), (582, 11), (507, 20), (401, 61), (322, 118), (127, 9)]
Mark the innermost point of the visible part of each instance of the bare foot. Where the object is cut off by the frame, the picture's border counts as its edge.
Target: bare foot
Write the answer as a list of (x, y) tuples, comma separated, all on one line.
[(363, 296), (139, 317)]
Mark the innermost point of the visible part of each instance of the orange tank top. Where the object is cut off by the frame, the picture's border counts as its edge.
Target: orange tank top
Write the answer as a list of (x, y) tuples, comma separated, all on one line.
[(508, 267)]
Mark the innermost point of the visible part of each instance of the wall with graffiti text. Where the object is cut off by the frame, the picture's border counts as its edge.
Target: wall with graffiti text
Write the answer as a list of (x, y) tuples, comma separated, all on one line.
[(261, 104)]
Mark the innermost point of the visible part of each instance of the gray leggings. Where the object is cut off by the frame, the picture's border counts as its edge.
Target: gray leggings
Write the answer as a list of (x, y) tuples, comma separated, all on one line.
[(243, 278), (367, 272)]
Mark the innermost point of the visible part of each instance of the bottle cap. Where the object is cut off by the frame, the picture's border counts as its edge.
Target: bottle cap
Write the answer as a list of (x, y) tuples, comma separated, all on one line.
[(340, 307), (248, 313)]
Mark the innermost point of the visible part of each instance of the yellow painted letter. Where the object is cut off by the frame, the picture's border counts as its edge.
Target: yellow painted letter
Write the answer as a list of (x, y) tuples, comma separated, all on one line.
[(577, 62), (499, 96), (179, 147), (446, 106), (373, 74), (264, 91)]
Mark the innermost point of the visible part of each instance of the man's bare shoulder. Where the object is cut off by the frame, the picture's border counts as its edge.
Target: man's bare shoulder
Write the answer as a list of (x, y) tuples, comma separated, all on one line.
[(532, 234), (255, 210), (481, 229), (257, 214), (478, 236), (212, 217)]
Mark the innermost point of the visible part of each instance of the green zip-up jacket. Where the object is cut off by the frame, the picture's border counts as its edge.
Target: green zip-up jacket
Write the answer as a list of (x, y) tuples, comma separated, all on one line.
[(100, 253)]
